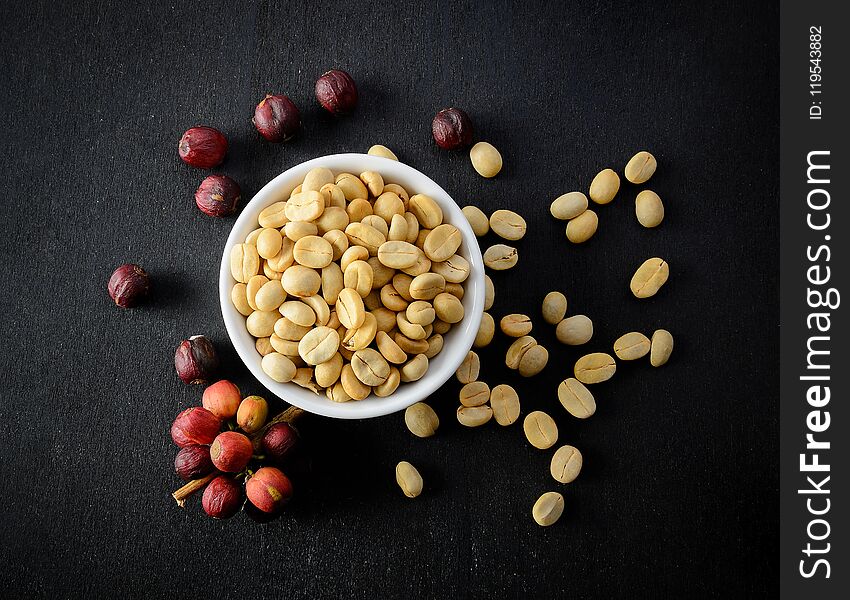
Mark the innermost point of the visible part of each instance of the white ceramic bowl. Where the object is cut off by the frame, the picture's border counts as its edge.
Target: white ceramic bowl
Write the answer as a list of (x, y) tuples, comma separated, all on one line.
[(457, 342)]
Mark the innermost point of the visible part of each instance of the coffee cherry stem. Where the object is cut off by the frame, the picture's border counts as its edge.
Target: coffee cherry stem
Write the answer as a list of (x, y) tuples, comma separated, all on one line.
[(289, 415)]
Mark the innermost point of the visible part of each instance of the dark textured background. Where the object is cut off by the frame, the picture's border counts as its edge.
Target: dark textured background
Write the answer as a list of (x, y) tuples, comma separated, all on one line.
[(678, 497)]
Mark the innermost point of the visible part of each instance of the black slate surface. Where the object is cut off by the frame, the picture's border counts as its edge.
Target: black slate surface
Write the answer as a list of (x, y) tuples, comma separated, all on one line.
[(678, 497)]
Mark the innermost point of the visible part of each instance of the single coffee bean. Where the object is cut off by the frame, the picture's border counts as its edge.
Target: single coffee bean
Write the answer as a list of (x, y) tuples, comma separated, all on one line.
[(264, 346), (421, 420), (298, 312), (286, 347), (474, 416), (287, 330), (410, 346), (351, 186), (416, 367), (397, 255), (435, 345), (505, 404), (273, 215), (568, 206), (454, 270), (328, 372), (575, 330), (468, 370), (313, 251), (649, 277), (486, 160), (426, 210), (576, 398), (382, 151), (278, 367), (508, 225), (422, 264), (333, 282), (500, 257), (442, 242), (448, 308), (338, 241), (333, 219), (640, 167), (373, 181), (353, 386), (398, 229), (301, 281), (390, 385), (295, 230), (261, 323), (239, 297), (370, 367), (582, 228), (389, 349), (318, 345), (305, 206), (420, 312), (517, 349), (270, 295), (486, 331), (489, 293), (408, 479), (359, 276), (595, 368), (566, 464), (649, 209), (269, 242), (244, 262), (316, 178), (475, 393), (662, 347), (604, 186), (554, 307), (548, 509), (540, 430), (350, 309), (360, 234), (631, 346), (515, 325), (477, 220), (533, 361)]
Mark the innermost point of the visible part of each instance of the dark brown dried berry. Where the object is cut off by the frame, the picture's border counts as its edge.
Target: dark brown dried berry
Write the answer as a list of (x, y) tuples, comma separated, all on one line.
[(128, 285), (277, 118), (217, 196), (196, 360), (452, 129), (202, 147), (222, 498), (279, 440), (193, 461), (336, 92), (195, 426)]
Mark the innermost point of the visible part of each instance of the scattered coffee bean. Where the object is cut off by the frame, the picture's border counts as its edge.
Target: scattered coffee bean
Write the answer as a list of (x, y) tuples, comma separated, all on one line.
[(505, 404), (661, 347), (649, 209), (595, 368), (508, 225), (540, 430), (568, 206), (604, 186), (566, 464), (631, 346), (421, 420), (576, 398), (575, 330), (474, 416), (548, 508), (554, 307), (640, 167), (649, 277), (408, 479), (515, 325)]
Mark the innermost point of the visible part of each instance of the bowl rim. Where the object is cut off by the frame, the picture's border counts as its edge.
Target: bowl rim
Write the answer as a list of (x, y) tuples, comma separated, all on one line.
[(450, 357)]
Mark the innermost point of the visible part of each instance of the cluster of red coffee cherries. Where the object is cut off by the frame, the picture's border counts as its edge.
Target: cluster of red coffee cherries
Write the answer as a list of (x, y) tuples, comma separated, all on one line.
[(228, 443)]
